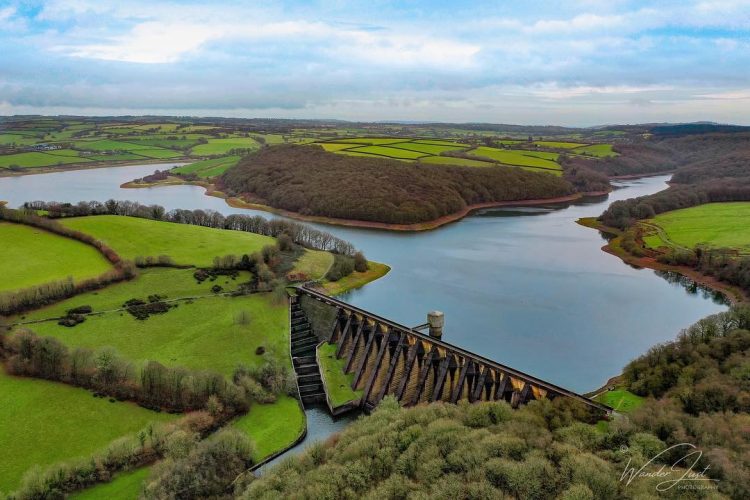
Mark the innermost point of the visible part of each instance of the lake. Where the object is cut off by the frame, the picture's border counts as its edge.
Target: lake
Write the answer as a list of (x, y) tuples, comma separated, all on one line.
[(525, 286)]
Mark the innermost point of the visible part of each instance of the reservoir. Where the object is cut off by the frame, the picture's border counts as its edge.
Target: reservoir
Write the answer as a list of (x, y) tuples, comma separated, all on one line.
[(525, 286)]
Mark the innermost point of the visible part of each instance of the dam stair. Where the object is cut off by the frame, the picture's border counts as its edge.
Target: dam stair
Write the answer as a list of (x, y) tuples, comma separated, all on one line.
[(304, 344)]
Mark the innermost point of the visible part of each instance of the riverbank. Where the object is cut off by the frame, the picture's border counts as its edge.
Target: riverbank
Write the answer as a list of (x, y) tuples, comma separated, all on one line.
[(734, 294), (235, 202), (6, 172)]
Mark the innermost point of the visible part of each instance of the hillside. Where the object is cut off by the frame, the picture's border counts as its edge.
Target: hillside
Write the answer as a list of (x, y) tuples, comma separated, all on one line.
[(310, 181)]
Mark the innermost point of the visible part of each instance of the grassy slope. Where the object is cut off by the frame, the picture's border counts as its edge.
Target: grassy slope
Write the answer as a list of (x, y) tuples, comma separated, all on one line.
[(45, 422), (338, 384), (355, 280), (208, 168), (172, 283), (200, 335), (125, 486), (36, 160), (272, 427), (314, 264), (514, 157), (223, 146), (713, 224), (36, 256), (186, 244), (621, 400)]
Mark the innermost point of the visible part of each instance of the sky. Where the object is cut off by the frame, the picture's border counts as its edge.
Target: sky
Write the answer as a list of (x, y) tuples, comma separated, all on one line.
[(573, 63)]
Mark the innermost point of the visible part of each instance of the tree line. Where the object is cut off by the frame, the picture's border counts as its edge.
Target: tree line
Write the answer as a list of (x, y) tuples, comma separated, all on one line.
[(36, 296), (300, 233), (310, 181), (152, 385)]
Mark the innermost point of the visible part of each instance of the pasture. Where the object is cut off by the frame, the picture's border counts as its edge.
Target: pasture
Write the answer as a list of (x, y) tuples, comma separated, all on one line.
[(621, 400), (124, 486), (272, 426), (223, 146), (185, 244), (598, 150), (714, 225), (433, 151), (47, 422), (33, 256), (31, 160), (208, 168), (204, 333)]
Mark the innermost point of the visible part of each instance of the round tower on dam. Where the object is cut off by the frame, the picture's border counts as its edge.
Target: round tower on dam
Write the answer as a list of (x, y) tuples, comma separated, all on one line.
[(436, 320)]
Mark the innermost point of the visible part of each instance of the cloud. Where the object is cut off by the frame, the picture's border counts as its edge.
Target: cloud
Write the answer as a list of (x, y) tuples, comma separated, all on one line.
[(465, 60)]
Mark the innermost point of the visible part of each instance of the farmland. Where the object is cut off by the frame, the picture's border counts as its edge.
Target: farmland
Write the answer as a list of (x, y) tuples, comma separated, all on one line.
[(539, 156), (45, 422), (713, 225), (204, 328), (185, 244), (26, 262)]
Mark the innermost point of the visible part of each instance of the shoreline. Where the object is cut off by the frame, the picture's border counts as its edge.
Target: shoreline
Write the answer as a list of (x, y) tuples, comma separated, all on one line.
[(237, 202), (732, 293), (5, 172)]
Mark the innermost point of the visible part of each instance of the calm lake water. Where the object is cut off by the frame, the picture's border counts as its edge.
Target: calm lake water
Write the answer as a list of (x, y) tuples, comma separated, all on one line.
[(527, 286)]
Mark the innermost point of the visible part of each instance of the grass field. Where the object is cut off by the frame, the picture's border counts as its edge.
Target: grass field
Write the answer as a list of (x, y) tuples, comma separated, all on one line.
[(186, 244), (46, 422), (314, 264), (30, 160), (558, 144), (599, 150), (224, 146), (204, 334), (36, 256), (716, 225), (208, 168), (338, 384), (514, 157), (449, 160), (386, 151), (356, 279), (125, 486), (272, 427), (620, 399)]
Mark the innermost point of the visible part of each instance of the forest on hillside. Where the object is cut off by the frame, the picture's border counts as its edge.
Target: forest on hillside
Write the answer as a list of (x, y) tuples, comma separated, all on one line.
[(310, 181), (697, 391)]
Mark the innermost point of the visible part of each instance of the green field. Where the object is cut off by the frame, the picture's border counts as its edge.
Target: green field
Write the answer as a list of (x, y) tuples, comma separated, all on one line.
[(715, 225), (599, 150), (386, 151), (204, 334), (272, 427), (338, 384), (37, 256), (558, 144), (109, 145), (514, 157), (450, 160), (186, 244), (224, 146), (620, 399), (314, 264), (46, 422), (208, 168), (125, 486), (30, 160)]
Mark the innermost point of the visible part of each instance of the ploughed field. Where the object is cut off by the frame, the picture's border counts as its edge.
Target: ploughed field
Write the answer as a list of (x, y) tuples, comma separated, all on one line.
[(205, 327), (712, 225)]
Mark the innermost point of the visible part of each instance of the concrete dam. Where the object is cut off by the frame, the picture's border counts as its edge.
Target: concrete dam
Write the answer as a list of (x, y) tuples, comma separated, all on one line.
[(387, 358)]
